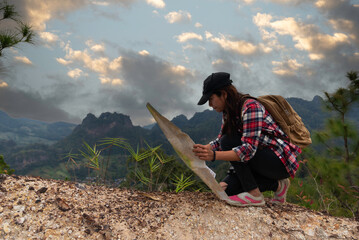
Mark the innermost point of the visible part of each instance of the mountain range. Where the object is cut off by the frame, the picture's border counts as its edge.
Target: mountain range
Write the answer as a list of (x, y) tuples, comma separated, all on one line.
[(24, 131), (52, 141)]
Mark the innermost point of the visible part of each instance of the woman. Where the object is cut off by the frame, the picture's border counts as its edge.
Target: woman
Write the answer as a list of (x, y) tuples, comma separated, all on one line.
[(253, 143)]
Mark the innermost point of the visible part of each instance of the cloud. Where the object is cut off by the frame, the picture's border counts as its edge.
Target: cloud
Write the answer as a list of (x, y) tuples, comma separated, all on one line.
[(63, 61), (3, 84), (38, 12), (307, 37), (100, 3), (75, 73), (144, 53), (95, 47), (113, 82), (108, 70), (18, 103), (184, 37), (178, 17), (262, 19), (167, 87), (49, 38), (131, 80), (240, 47), (116, 64), (23, 59), (84, 58), (156, 3), (291, 2), (287, 68), (342, 15), (198, 25)]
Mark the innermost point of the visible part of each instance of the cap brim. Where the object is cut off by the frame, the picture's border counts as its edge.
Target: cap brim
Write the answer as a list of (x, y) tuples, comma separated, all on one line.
[(204, 99)]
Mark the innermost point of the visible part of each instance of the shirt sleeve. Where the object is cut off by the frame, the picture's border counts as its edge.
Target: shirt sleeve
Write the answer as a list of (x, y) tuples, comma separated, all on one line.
[(252, 118)]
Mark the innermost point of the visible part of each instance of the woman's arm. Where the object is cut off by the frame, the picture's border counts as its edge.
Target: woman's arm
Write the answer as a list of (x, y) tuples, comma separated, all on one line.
[(205, 152)]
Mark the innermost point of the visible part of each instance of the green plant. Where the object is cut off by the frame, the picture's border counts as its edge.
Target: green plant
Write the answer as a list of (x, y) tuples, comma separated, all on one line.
[(182, 183), (22, 33), (71, 163), (108, 144), (4, 168), (147, 168)]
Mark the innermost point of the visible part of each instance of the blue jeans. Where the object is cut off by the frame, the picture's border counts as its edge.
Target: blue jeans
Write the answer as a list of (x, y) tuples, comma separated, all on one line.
[(262, 171)]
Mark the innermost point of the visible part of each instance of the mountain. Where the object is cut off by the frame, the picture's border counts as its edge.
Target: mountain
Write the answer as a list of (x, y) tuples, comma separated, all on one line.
[(48, 160), (23, 131), (107, 125)]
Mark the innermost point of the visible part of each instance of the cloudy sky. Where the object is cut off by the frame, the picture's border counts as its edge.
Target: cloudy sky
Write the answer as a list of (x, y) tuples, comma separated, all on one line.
[(117, 55)]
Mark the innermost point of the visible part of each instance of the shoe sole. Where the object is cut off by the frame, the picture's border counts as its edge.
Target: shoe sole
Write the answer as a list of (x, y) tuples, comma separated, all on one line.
[(238, 204)]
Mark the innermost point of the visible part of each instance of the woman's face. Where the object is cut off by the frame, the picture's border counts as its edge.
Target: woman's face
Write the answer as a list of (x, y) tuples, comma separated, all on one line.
[(217, 103)]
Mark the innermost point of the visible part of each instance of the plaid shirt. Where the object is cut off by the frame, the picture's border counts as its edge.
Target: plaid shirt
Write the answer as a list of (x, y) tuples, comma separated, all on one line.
[(259, 128)]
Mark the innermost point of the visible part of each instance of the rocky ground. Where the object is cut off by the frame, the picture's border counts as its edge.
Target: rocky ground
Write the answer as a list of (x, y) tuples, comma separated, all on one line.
[(35, 208)]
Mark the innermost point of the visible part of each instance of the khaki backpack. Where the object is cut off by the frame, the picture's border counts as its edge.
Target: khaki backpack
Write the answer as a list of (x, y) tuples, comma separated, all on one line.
[(287, 119)]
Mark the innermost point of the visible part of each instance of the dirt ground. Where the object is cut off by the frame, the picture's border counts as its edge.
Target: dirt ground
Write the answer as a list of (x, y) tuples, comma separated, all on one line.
[(35, 208)]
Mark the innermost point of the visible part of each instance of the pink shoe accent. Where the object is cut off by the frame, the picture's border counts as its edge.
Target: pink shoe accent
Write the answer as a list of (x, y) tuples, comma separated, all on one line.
[(284, 191), (280, 198), (236, 198), (245, 199)]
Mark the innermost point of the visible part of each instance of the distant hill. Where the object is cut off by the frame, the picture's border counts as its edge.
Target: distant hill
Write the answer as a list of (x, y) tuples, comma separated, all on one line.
[(311, 112), (22, 131), (107, 125), (48, 160)]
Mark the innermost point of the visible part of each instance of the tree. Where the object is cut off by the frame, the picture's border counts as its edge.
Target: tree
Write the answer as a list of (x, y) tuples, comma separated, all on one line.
[(333, 164), (22, 33), (340, 102), (4, 168)]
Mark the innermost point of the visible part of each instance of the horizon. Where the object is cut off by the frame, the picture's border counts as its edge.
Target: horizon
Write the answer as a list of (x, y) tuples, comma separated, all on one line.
[(143, 126)]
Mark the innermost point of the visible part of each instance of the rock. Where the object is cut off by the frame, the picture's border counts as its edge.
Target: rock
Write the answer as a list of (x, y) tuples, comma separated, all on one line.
[(6, 228), (3, 177), (42, 190), (63, 206), (20, 220)]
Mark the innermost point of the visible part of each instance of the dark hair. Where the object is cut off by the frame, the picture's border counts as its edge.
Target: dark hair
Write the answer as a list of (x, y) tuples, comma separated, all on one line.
[(232, 101)]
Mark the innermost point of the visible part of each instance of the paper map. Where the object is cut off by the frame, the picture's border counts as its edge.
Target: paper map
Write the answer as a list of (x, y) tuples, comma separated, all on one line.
[(183, 145)]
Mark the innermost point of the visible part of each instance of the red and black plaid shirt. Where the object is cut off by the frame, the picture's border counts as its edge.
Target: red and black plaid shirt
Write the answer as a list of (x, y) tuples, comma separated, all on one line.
[(259, 128)]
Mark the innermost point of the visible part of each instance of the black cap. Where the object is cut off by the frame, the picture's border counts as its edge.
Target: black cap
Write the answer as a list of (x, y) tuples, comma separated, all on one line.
[(214, 82)]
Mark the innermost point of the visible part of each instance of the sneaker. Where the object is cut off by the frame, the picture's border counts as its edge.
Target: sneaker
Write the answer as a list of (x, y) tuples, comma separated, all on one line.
[(245, 199), (281, 195)]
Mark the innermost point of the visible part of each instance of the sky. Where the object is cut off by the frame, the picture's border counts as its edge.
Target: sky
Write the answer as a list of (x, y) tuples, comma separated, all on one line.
[(93, 56)]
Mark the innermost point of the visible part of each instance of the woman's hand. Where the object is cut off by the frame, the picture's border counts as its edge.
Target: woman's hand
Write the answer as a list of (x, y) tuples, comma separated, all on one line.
[(203, 152)]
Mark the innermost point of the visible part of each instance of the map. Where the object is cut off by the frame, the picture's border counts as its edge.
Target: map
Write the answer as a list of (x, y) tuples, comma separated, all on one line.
[(183, 146)]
